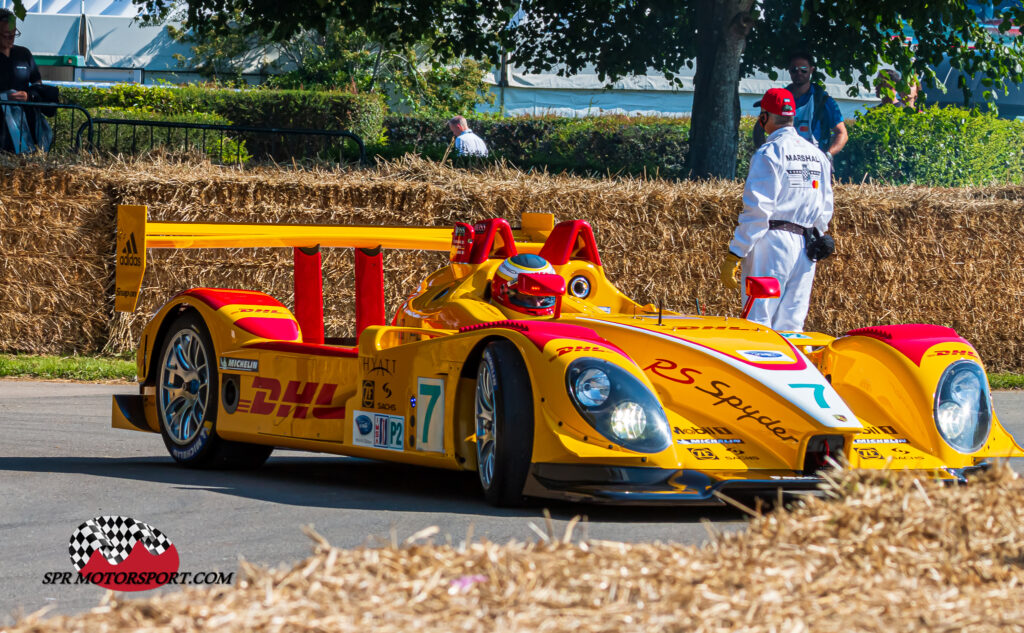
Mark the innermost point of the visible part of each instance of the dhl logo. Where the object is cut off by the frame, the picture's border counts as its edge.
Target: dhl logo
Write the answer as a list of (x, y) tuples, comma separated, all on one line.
[(299, 399), (575, 348), (955, 352), (236, 311)]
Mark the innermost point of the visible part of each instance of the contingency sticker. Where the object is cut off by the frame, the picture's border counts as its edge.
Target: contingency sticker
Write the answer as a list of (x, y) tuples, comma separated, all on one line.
[(228, 363), (764, 356), (378, 430), (430, 414)]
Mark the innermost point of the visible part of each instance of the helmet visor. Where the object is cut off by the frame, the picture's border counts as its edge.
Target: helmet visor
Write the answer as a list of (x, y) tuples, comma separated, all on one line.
[(529, 301)]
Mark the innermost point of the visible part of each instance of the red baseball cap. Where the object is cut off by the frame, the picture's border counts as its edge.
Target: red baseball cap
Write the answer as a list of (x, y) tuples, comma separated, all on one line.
[(777, 101)]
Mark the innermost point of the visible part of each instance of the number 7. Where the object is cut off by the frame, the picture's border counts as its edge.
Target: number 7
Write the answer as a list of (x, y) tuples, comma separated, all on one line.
[(433, 392), (819, 394)]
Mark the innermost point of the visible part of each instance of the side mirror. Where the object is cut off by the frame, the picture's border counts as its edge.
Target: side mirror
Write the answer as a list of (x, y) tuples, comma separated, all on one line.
[(760, 288)]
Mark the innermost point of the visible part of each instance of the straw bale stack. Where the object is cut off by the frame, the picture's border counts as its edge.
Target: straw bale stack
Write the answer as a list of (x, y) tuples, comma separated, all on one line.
[(888, 553), (55, 260), (905, 254)]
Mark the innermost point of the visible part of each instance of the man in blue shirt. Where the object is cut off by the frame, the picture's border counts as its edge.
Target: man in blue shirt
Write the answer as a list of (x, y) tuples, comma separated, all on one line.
[(818, 119), (466, 142)]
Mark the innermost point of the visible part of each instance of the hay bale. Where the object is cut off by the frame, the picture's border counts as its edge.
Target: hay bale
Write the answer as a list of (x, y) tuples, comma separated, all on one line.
[(904, 254), (887, 553)]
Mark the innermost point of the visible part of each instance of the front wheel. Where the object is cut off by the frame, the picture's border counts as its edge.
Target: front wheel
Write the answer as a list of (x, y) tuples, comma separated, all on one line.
[(186, 394), (504, 424)]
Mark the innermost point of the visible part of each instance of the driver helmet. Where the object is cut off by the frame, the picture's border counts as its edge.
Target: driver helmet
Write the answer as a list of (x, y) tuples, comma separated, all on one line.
[(503, 291)]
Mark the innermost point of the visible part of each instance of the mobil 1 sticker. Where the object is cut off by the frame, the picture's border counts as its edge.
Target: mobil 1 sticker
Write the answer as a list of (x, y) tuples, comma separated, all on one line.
[(378, 430)]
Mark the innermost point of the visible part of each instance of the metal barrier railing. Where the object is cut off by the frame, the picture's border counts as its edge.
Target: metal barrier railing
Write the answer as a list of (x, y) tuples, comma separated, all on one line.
[(73, 140), (222, 143)]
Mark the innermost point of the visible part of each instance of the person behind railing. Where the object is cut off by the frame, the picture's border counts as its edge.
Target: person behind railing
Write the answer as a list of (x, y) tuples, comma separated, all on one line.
[(21, 128)]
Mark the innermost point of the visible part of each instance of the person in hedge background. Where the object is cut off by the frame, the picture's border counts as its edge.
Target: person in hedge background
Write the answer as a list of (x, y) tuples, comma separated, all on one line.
[(885, 85), (818, 118), (787, 196), (466, 142)]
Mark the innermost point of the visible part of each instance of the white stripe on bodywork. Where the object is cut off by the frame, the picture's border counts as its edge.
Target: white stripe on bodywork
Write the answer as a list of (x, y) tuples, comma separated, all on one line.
[(778, 380)]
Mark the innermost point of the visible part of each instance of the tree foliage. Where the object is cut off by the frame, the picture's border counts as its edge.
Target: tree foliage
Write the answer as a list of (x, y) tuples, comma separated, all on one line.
[(335, 57), (724, 39)]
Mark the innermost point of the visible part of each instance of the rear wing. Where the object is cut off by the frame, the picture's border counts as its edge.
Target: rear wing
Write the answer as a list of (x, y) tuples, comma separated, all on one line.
[(135, 234), (467, 246)]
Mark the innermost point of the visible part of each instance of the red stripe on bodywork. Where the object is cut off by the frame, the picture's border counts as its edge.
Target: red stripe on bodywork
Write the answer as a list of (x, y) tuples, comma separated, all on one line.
[(541, 332), (911, 339), (217, 298), (264, 327), (311, 349), (793, 365)]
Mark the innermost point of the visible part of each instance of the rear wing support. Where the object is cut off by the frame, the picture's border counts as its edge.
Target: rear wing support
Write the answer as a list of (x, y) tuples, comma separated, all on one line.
[(309, 293), (369, 288)]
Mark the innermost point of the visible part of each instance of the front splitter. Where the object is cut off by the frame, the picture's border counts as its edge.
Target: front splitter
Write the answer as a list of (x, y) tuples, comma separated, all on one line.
[(622, 485)]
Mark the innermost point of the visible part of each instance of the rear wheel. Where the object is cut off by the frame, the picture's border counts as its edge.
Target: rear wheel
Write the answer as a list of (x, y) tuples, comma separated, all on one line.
[(504, 424), (186, 394)]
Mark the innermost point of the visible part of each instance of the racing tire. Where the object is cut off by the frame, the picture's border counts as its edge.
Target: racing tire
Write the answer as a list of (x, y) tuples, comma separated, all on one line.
[(503, 410), (186, 400)]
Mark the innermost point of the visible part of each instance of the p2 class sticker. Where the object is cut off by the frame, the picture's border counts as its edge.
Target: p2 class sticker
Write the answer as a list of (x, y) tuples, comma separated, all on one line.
[(378, 430), (430, 414)]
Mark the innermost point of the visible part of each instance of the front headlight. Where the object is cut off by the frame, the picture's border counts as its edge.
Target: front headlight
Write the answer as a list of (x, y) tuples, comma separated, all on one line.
[(963, 414), (618, 405), (592, 387)]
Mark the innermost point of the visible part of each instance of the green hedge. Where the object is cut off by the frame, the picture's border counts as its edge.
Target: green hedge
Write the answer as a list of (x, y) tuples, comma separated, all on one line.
[(358, 113), (937, 147), (590, 145)]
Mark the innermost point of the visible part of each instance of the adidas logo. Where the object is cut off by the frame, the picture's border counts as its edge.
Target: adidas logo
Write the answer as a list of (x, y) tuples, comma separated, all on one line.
[(130, 253), (129, 246)]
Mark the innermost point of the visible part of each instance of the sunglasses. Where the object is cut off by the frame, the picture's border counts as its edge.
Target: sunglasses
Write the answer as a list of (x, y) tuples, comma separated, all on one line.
[(802, 69)]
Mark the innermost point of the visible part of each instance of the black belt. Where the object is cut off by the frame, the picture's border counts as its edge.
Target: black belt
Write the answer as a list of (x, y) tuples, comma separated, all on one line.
[(782, 225)]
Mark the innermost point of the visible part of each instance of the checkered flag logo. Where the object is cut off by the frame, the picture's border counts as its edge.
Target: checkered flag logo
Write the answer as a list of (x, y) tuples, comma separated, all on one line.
[(114, 537)]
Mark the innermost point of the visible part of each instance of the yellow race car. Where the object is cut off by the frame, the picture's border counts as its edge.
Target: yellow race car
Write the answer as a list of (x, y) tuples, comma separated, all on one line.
[(521, 361)]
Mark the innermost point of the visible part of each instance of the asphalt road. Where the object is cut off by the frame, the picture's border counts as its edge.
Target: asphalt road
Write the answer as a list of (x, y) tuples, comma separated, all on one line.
[(61, 464)]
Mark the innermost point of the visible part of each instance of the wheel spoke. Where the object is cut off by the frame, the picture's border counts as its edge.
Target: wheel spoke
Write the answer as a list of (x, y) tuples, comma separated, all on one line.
[(199, 409), (186, 423), (175, 413), (488, 462), (182, 354), (184, 385), (486, 445)]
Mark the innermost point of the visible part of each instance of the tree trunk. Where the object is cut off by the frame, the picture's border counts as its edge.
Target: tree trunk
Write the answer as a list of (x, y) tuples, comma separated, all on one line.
[(722, 28)]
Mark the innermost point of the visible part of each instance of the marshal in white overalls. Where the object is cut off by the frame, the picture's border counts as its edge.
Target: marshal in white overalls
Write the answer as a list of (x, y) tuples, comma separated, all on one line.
[(790, 180)]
